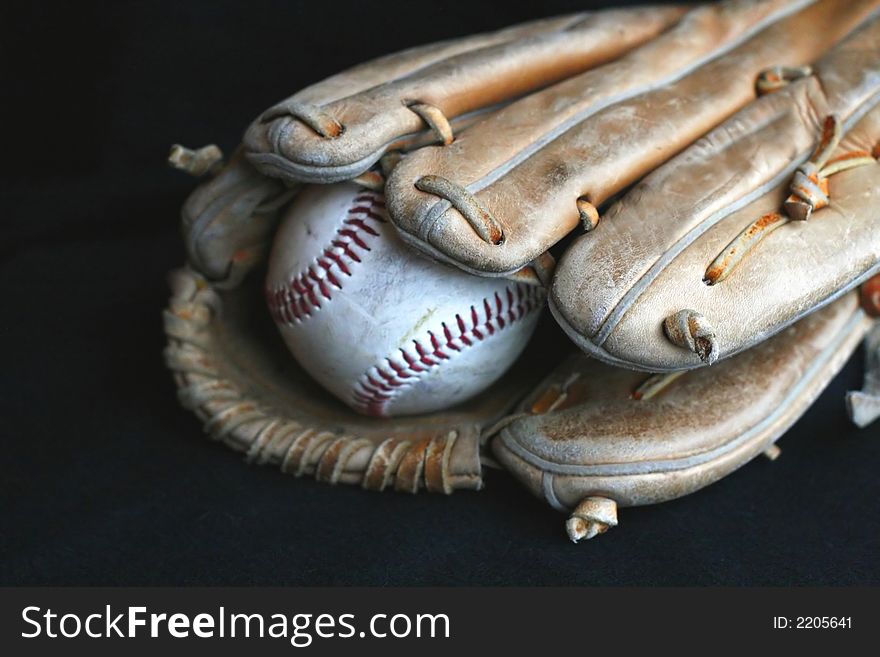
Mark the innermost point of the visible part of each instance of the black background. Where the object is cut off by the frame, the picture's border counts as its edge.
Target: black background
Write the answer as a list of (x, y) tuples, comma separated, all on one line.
[(106, 480)]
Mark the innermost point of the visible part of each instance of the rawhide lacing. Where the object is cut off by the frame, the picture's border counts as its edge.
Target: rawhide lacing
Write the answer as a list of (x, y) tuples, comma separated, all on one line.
[(314, 117), (481, 220), (691, 330), (778, 77), (233, 415), (809, 192), (435, 119)]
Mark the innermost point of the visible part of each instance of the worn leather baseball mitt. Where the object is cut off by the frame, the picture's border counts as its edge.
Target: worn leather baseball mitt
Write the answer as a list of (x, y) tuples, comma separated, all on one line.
[(337, 129), (493, 148), (521, 179), (765, 219), (356, 124), (592, 437), (232, 369), (588, 438)]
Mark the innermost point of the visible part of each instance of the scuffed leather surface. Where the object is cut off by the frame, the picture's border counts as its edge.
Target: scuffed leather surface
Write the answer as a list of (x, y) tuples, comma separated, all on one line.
[(646, 260), (234, 373), (614, 143), (459, 77), (228, 221), (141, 498), (703, 426)]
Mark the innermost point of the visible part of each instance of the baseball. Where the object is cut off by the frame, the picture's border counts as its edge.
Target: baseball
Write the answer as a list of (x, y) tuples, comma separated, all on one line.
[(385, 330)]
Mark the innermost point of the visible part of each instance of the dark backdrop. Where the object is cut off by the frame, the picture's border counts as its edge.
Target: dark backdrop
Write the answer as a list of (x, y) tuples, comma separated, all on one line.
[(106, 480)]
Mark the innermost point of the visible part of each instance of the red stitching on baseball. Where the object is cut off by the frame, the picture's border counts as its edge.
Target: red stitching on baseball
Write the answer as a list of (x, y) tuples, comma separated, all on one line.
[(381, 383), (295, 301), (302, 295)]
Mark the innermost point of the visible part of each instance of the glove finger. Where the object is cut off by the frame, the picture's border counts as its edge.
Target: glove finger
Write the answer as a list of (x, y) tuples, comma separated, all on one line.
[(708, 232), (337, 129), (624, 120), (600, 446), (228, 221)]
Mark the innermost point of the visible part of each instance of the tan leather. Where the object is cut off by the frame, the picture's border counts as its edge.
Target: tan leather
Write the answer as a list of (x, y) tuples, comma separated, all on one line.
[(647, 258), (600, 442), (593, 135), (370, 103), (228, 221), (233, 372)]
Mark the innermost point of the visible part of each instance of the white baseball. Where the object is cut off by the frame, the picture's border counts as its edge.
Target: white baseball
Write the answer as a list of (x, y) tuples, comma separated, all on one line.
[(382, 328)]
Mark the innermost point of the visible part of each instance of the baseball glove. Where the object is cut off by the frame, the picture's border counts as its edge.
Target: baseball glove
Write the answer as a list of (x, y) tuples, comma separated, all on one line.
[(540, 126), (234, 373), (339, 128), (521, 179), (592, 437), (588, 438), (228, 221), (767, 218)]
